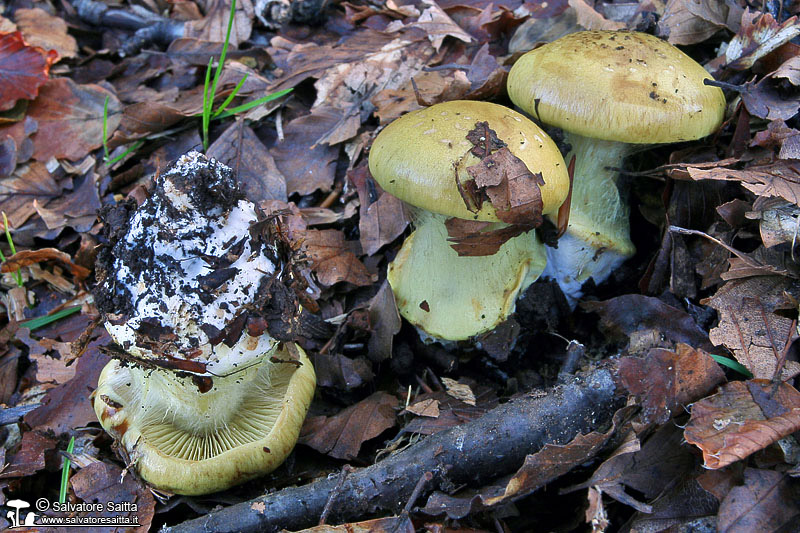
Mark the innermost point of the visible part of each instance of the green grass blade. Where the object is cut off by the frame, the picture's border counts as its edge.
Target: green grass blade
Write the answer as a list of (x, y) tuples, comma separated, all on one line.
[(18, 273), (733, 365), (208, 100), (62, 495), (105, 129), (230, 97), (38, 322), (255, 103), (135, 146)]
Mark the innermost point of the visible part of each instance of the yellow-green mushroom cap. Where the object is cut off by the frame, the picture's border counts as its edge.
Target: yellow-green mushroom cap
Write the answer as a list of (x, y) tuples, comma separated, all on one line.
[(417, 157), (618, 86), (186, 442)]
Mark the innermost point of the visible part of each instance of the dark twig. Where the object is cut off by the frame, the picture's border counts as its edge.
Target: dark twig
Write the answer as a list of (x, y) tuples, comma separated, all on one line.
[(346, 469), (473, 454)]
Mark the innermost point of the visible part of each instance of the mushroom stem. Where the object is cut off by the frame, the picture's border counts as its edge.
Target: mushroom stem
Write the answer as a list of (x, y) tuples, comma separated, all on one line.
[(188, 441), (457, 297), (597, 240)]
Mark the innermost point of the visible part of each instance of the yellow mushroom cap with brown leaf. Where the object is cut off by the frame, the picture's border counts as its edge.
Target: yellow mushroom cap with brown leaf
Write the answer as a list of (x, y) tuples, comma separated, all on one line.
[(419, 157), (617, 86)]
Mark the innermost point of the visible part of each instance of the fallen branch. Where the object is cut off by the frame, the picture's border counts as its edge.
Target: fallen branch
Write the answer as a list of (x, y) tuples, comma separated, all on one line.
[(473, 453)]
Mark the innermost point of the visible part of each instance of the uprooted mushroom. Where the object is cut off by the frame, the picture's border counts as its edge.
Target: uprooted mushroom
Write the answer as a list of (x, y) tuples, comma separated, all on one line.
[(206, 390)]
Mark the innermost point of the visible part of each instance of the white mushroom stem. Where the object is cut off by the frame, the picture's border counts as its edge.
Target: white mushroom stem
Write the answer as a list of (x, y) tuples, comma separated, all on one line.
[(597, 240), (453, 297), (192, 442)]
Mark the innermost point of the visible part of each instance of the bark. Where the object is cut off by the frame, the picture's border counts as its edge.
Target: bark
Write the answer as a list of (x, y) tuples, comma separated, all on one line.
[(473, 454)]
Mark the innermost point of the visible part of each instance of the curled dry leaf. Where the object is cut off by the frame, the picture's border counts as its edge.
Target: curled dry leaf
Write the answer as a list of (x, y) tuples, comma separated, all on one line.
[(741, 419), (333, 258), (758, 36), (23, 69), (342, 435), (68, 406), (25, 258), (468, 238), (751, 325), (501, 178), (775, 178)]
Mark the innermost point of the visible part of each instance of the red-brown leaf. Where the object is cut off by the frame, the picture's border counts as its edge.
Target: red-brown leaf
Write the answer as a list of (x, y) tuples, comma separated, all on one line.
[(342, 435), (23, 69), (741, 419), (70, 118)]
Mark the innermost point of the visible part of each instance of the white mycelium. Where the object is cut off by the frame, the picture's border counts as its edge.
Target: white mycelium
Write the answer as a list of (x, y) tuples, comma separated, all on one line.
[(179, 239)]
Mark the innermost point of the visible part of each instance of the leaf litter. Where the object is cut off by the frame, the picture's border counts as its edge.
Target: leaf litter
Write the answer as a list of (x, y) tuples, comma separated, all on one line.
[(714, 278)]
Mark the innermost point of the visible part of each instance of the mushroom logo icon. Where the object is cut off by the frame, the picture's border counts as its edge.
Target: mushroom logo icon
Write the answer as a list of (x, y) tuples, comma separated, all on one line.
[(13, 516)]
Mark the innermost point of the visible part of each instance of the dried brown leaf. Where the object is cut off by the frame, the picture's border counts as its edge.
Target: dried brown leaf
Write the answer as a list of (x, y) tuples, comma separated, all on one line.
[(381, 215), (750, 325), (349, 73), (239, 148), (307, 165), (472, 238), (70, 118), (437, 25), (105, 482), (68, 405), (789, 70), (758, 36), (741, 419), (333, 258), (24, 69), (592, 20), (692, 21), (665, 381), (385, 322), (17, 192), (452, 411), (429, 408), (776, 178), (213, 27), (342, 435), (29, 457), (766, 100), (46, 31), (25, 258), (767, 501), (341, 372)]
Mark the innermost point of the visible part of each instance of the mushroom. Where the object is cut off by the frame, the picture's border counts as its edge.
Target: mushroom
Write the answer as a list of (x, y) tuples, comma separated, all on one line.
[(201, 396), (611, 92), (437, 160)]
